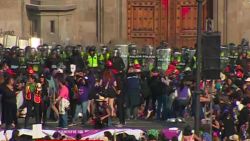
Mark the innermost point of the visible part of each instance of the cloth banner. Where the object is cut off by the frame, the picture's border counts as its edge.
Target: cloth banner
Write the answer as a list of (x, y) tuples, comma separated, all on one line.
[(92, 134)]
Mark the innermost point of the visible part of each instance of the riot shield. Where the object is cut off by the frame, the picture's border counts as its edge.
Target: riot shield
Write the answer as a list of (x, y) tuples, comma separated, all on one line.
[(224, 57), (123, 49), (148, 59), (163, 58)]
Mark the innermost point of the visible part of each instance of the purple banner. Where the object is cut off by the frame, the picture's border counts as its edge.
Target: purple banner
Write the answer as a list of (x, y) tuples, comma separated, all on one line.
[(73, 133)]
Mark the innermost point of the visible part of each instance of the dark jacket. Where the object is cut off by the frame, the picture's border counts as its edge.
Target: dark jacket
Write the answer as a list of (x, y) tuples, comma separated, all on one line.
[(9, 97), (145, 89), (156, 86), (77, 60), (118, 63)]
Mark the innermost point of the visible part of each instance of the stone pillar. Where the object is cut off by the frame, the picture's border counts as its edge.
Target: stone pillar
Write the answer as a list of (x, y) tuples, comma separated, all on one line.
[(215, 14), (99, 15), (123, 20), (119, 20), (219, 16)]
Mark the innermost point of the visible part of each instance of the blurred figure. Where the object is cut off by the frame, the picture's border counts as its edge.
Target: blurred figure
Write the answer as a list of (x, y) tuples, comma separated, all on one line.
[(63, 101), (82, 99), (30, 89), (45, 97), (92, 60), (132, 93), (102, 113), (9, 103), (77, 59), (183, 98), (110, 86)]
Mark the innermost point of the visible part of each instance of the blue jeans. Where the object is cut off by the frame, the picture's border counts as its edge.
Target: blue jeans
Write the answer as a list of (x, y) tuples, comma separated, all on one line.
[(63, 120), (169, 108), (82, 107), (161, 104)]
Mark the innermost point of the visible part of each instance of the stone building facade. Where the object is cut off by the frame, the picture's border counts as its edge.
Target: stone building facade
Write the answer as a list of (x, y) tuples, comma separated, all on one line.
[(105, 21)]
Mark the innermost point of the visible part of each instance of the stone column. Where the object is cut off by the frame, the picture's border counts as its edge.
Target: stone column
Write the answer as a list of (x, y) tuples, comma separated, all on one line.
[(124, 21), (119, 19), (102, 20), (220, 19), (215, 14), (225, 21)]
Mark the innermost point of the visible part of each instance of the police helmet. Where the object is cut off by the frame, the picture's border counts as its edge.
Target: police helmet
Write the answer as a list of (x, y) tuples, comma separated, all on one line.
[(92, 48), (40, 48), (14, 49), (21, 52), (27, 49)]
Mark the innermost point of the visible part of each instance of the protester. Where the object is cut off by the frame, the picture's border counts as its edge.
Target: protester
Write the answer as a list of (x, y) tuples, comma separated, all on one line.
[(183, 98), (132, 93), (63, 101), (9, 103), (102, 113), (109, 85), (45, 98), (82, 98), (30, 89)]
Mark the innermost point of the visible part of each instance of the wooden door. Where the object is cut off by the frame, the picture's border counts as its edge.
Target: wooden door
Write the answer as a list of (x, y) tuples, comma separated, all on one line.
[(145, 25), (186, 22)]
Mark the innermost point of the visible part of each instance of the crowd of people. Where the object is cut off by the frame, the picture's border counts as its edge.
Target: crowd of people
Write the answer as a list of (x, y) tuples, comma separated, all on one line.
[(60, 83)]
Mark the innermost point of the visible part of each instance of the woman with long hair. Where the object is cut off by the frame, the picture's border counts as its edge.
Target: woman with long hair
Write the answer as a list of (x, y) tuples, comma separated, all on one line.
[(45, 97), (109, 84), (9, 103), (63, 100)]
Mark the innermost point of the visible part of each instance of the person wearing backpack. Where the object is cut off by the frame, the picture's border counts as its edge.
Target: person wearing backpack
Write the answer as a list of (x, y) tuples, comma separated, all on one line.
[(63, 100)]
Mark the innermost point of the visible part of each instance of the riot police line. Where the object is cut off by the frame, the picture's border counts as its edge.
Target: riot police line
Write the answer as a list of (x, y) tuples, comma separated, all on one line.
[(148, 57), (20, 59)]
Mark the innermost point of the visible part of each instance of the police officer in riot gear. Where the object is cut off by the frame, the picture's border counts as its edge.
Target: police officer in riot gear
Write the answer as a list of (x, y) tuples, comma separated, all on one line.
[(46, 51), (118, 64), (148, 58), (82, 50), (6, 55), (68, 52), (77, 59), (134, 57), (59, 51), (22, 61), (13, 62), (92, 59), (34, 61), (53, 60), (27, 52), (43, 54), (104, 56)]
